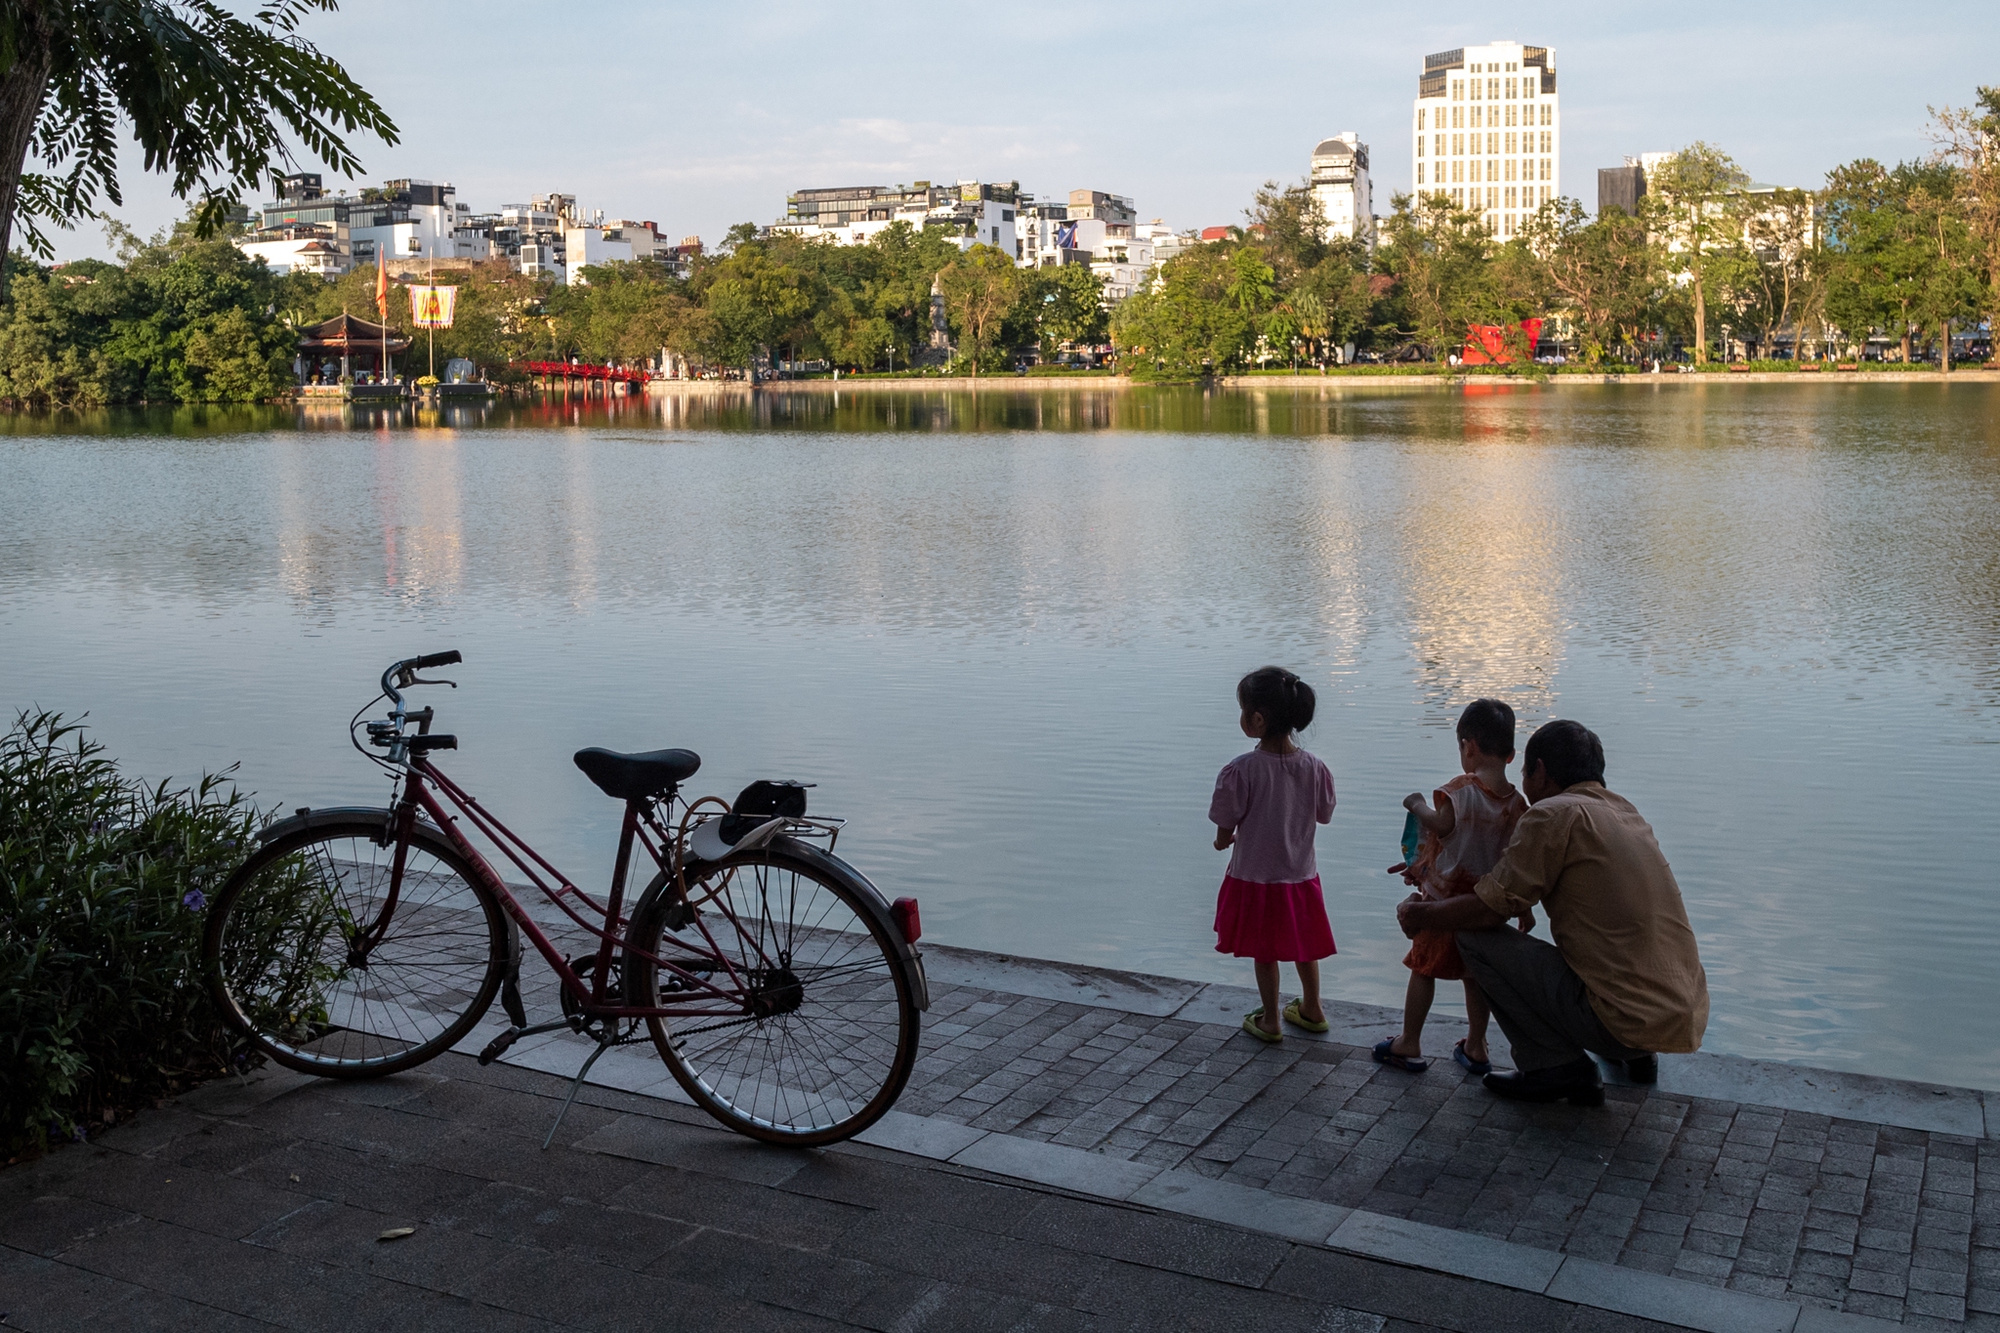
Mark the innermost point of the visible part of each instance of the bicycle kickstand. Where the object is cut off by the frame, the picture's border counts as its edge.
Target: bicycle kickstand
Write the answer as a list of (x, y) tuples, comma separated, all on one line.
[(604, 1044)]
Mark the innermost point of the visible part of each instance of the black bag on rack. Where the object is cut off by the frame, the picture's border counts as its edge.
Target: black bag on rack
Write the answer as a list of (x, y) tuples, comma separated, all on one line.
[(761, 802)]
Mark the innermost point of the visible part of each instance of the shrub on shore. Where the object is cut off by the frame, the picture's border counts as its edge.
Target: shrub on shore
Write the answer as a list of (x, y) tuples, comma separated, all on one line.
[(103, 885)]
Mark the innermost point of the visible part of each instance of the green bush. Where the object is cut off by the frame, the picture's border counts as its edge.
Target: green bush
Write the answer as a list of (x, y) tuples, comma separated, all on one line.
[(104, 883)]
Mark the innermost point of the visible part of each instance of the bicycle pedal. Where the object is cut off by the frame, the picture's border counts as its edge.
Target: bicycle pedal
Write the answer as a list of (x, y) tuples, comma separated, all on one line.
[(498, 1046)]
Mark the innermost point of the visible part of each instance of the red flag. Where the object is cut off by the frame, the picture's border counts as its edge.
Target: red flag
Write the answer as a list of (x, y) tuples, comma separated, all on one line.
[(382, 284)]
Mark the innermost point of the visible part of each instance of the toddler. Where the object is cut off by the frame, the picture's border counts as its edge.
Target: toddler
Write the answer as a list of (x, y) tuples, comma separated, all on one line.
[(1463, 836), (1266, 805)]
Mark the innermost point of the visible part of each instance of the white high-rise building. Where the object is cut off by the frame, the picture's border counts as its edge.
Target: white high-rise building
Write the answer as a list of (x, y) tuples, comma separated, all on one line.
[(1488, 130), (1340, 183)]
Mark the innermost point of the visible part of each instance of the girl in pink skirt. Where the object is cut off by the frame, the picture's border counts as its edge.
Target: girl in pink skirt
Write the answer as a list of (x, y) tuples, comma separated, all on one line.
[(1266, 805)]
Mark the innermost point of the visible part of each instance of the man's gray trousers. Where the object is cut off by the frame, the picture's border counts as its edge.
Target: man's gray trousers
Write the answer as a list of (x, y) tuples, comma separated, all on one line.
[(1540, 1003)]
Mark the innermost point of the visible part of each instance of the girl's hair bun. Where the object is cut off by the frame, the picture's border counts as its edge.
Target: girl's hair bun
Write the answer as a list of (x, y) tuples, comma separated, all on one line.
[(1285, 701)]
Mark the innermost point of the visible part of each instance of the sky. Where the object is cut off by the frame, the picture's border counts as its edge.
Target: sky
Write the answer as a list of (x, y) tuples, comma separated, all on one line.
[(698, 117)]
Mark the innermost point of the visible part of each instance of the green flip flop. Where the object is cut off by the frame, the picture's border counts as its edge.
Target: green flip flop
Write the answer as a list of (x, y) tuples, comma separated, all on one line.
[(1299, 1020), (1250, 1026)]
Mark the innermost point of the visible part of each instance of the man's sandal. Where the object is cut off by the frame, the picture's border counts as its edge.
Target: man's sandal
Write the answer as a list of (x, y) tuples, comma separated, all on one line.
[(1297, 1019), (1386, 1056), (1474, 1066), (1251, 1026)]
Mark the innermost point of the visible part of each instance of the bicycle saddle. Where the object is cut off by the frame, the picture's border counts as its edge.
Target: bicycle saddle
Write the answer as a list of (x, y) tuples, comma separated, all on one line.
[(631, 777)]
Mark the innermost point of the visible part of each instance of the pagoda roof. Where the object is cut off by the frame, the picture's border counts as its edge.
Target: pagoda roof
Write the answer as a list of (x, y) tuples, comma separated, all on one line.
[(344, 330)]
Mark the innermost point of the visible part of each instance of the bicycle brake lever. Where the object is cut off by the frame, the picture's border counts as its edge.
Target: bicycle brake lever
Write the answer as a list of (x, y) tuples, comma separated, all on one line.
[(416, 681)]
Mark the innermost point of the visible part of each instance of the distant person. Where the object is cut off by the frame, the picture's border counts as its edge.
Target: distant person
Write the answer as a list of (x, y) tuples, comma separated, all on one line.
[(1266, 806), (1623, 978), (1463, 836)]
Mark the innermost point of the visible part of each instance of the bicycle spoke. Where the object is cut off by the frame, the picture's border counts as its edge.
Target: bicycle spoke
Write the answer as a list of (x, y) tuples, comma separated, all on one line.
[(830, 1034), (353, 991)]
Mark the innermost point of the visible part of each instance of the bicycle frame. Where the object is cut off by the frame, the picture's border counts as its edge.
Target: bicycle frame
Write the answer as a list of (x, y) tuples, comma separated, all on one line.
[(423, 785)]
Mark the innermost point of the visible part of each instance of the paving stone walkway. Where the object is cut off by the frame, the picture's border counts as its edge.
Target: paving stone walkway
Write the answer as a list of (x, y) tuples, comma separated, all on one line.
[(1832, 1213), (257, 1208), (1847, 1197)]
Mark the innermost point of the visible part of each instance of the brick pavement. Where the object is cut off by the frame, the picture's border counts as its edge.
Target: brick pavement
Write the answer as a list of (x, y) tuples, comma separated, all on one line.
[(235, 1212), (1838, 1214)]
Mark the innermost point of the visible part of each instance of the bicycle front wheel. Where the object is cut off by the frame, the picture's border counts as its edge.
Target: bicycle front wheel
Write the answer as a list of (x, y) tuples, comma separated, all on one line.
[(329, 962), (818, 1031)]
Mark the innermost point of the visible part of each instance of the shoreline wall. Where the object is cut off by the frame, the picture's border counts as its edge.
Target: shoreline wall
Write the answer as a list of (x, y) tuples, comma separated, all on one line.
[(1016, 383)]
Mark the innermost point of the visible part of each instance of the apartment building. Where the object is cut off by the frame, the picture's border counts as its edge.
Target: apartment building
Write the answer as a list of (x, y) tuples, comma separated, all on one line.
[(968, 212), (1487, 126), (405, 220), (1339, 181)]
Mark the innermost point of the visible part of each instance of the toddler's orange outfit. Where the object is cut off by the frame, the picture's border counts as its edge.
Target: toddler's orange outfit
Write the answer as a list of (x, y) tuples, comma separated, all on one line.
[(1482, 826)]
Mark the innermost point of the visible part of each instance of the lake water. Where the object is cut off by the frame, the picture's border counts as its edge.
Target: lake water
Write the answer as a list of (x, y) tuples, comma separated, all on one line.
[(1002, 634)]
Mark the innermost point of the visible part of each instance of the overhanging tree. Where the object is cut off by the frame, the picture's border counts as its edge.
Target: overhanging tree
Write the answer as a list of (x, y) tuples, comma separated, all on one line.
[(979, 291), (213, 99), (1968, 140), (1698, 195), (1438, 255), (1603, 274)]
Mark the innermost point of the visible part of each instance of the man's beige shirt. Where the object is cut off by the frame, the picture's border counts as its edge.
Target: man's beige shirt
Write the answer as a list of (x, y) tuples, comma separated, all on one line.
[(1614, 910)]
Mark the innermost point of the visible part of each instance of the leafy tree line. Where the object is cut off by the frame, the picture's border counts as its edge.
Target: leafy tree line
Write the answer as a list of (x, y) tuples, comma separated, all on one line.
[(185, 318), (1906, 252)]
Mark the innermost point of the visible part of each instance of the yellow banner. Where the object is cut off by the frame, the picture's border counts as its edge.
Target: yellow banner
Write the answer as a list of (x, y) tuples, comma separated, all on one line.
[(431, 307)]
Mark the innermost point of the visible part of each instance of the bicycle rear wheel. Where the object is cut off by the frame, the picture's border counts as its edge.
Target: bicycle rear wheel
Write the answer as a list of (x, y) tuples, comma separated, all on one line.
[(820, 1033), (310, 961)]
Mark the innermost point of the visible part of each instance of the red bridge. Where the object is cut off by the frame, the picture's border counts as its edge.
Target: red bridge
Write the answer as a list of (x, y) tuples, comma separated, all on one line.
[(579, 370)]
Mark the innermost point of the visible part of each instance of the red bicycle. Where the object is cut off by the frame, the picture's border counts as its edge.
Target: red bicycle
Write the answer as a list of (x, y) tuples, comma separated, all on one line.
[(776, 982)]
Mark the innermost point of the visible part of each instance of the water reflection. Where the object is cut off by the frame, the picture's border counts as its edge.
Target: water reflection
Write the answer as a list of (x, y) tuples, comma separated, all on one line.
[(1001, 629)]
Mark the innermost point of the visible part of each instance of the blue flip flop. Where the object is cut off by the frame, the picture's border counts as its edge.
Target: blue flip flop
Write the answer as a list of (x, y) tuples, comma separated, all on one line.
[(1385, 1056), (1476, 1066)]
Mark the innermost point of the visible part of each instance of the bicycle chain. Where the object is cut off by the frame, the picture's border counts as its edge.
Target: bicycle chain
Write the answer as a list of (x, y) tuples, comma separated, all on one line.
[(711, 1027)]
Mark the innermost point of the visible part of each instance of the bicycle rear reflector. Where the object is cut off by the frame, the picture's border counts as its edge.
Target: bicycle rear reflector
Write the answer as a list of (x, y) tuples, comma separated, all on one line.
[(908, 920)]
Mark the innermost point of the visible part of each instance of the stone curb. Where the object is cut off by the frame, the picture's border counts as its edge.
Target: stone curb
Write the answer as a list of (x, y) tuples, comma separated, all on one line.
[(1005, 382)]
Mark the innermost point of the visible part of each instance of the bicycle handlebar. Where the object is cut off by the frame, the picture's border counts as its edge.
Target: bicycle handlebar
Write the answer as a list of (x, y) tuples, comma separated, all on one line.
[(400, 673)]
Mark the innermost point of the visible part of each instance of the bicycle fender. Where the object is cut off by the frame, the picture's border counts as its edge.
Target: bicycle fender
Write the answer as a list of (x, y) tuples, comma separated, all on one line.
[(333, 814), (871, 897)]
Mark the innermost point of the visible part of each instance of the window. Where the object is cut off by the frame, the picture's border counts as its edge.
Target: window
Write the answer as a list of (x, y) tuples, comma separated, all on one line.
[(1457, 117), (1477, 119), (1545, 171), (1492, 142), (1420, 145), (1548, 114), (1492, 197), (1475, 89), (1437, 146), (1420, 117), (1513, 115), (1458, 90), (1510, 196), (1510, 143), (1493, 89), (1510, 90), (1458, 171), (1420, 172), (1492, 169)]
